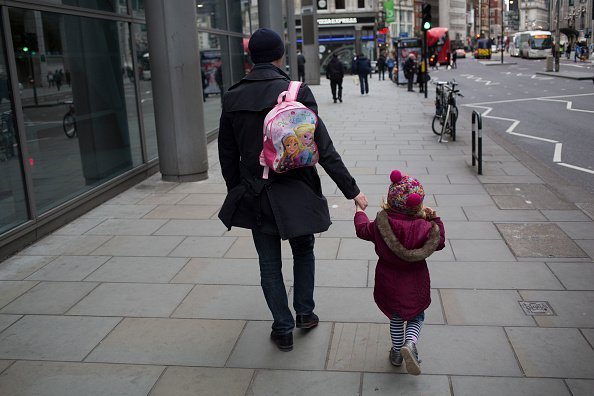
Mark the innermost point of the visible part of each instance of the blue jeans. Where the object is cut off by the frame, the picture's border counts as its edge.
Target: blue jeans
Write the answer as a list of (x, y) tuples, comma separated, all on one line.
[(364, 83), (271, 278)]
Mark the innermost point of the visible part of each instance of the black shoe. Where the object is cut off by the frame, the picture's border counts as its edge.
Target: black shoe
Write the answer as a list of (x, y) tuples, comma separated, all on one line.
[(307, 321), (340, 99), (334, 100), (284, 342)]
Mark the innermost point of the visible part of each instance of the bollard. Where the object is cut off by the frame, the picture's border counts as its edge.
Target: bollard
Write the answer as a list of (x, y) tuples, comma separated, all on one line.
[(477, 152)]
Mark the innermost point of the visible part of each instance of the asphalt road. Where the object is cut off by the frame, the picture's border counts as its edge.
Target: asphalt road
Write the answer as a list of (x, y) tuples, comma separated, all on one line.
[(549, 118)]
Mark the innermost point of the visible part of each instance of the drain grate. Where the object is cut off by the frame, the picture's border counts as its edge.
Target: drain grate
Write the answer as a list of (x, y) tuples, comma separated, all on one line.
[(537, 308)]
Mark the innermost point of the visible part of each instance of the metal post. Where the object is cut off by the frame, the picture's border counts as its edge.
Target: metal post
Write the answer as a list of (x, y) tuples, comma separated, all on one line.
[(477, 144), (292, 40), (502, 30), (557, 38), (424, 62)]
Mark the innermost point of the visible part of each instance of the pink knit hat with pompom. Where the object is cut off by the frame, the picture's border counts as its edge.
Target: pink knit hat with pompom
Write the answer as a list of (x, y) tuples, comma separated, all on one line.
[(405, 194)]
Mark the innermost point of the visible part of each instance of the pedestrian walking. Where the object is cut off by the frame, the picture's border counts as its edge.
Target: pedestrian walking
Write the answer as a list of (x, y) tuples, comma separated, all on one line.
[(381, 67), (390, 65), (454, 58), (287, 205), (410, 68), (50, 79), (404, 233), (58, 78), (335, 73), (300, 66), (363, 70)]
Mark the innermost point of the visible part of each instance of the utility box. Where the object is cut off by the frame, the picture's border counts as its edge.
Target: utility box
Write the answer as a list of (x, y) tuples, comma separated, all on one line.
[(549, 63)]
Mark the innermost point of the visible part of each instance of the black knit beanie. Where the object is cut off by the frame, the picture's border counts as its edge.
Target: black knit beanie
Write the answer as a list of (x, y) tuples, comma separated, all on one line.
[(266, 46)]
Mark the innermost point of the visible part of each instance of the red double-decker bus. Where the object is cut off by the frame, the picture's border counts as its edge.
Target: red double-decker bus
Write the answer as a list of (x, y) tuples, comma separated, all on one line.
[(438, 42)]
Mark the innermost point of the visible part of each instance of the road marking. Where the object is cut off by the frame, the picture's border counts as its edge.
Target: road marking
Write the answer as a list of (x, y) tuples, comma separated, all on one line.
[(569, 105), (557, 155), (527, 99), (515, 123)]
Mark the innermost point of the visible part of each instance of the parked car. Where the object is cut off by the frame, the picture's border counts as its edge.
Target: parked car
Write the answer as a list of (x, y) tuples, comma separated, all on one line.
[(460, 53)]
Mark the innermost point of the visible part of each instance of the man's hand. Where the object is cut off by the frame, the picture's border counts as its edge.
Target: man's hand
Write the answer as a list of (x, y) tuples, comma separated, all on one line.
[(361, 201)]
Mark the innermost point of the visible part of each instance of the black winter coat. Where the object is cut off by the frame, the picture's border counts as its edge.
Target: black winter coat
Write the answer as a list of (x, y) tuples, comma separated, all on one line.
[(362, 66), (335, 70), (289, 204)]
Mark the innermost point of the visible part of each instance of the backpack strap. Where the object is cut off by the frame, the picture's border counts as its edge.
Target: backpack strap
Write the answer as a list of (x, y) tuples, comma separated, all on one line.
[(293, 91)]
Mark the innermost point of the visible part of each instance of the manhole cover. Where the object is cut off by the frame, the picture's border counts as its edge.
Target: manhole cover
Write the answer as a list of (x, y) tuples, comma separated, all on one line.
[(537, 308)]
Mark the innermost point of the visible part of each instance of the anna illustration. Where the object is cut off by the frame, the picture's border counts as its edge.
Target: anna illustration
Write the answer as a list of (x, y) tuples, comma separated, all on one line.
[(290, 158), (309, 151)]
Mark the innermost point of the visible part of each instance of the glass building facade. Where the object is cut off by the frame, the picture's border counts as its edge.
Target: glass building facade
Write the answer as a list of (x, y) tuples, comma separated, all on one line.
[(76, 105)]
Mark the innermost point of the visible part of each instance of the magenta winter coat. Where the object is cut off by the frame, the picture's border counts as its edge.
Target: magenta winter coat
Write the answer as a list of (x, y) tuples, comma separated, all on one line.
[(402, 243)]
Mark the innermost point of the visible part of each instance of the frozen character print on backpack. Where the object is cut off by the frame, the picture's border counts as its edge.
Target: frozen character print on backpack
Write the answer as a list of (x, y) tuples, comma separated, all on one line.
[(290, 158), (309, 151)]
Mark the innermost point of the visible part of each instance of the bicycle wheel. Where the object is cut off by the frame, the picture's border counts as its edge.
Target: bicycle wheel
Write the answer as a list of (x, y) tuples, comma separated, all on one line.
[(436, 125), (69, 125)]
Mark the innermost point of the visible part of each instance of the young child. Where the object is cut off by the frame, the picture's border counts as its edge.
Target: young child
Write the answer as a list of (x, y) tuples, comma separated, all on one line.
[(404, 233)]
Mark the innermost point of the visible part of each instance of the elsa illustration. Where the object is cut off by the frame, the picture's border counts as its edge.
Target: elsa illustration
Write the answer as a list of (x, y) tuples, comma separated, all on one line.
[(309, 151)]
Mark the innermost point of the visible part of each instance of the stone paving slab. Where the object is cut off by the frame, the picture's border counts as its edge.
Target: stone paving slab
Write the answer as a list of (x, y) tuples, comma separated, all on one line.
[(522, 196), (292, 382), (119, 211), (476, 307), (492, 213), (578, 230), (224, 302), (184, 342), (255, 350), (69, 268), (145, 246), (207, 381), (138, 269), (539, 240), (481, 249), (574, 276), (565, 215), (471, 230), (49, 298), (203, 247), (9, 290), (192, 228), (485, 386), (376, 384), (580, 387), (126, 227), (162, 199), (492, 275), (79, 226), (132, 299), (92, 379), (7, 320), (572, 308), (19, 267), (59, 338), (182, 212), (57, 245), (556, 352)]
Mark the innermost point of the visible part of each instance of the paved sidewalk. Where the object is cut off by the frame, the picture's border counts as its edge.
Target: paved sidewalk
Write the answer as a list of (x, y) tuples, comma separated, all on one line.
[(148, 293)]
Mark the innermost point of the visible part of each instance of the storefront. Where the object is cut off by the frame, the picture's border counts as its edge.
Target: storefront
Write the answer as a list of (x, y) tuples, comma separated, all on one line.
[(76, 103), (343, 35)]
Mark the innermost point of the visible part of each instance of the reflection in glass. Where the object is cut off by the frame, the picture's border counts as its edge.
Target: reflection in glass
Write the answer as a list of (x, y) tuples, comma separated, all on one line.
[(13, 207), (146, 90), (211, 14), (119, 6), (215, 75), (138, 8), (79, 101)]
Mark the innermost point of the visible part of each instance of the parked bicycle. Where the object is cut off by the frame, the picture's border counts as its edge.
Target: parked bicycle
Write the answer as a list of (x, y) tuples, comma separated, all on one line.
[(69, 120), (446, 111)]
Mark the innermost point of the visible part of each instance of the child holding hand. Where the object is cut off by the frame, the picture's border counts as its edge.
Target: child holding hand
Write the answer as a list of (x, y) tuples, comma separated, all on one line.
[(404, 233)]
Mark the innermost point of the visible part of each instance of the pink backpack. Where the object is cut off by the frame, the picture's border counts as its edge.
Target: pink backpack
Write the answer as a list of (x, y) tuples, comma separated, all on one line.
[(289, 134)]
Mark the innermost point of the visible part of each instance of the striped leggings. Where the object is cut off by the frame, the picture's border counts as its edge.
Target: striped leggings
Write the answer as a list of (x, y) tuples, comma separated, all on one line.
[(399, 335)]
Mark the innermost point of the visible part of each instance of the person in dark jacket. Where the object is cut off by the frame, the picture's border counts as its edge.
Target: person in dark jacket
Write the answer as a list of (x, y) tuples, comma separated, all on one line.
[(410, 68), (381, 67), (404, 233), (363, 70), (335, 73), (287, 205), (300, 66)]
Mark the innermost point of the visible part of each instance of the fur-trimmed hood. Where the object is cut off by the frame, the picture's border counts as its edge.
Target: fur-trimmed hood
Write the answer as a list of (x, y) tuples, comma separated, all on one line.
[(410, 255)]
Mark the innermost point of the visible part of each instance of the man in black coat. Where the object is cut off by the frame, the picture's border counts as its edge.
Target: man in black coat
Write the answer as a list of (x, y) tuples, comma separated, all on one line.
[(363, 69), (300, 66), (410, 68), (289, 205), (335, 73)]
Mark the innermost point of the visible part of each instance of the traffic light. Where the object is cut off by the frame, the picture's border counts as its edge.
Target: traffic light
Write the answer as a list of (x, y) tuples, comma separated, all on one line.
[(426, 16)]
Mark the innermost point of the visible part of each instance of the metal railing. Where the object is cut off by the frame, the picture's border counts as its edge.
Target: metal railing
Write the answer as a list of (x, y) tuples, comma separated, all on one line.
[(477, 142)]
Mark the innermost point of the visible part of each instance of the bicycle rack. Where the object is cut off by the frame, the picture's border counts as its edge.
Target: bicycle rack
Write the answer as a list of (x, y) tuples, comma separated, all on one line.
[(477, 152)]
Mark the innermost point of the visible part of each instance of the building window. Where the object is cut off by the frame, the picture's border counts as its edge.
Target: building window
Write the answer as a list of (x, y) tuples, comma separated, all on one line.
[(78, 101), (339, 4), (360, 3)]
